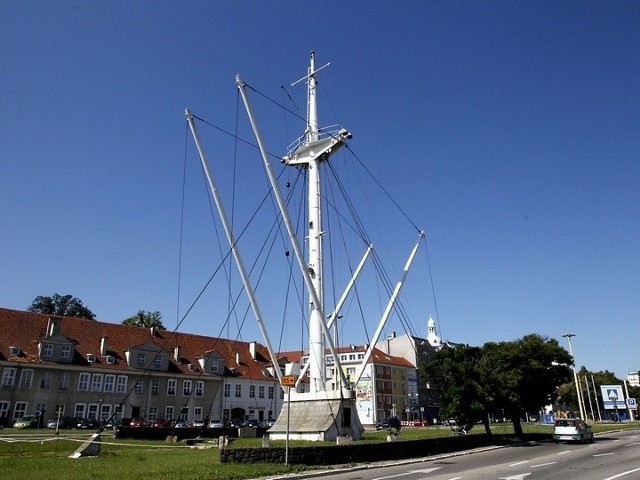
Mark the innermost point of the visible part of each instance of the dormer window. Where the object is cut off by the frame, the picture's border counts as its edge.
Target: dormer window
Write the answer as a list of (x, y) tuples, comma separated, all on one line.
[(14, 351), (91, 358), (47, 350), (65, 352), (141, 359), (110, 359)]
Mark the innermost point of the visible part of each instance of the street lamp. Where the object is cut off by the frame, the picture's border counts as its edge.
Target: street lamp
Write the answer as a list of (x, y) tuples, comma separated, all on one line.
[(568, 336)]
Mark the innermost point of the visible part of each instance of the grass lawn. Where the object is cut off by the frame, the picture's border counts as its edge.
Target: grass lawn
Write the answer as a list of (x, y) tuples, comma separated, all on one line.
[(48, 458)]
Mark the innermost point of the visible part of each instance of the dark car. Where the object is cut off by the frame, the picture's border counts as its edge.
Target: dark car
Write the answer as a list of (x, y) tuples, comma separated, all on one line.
[(88, 423), (138, 422), (160, 423), (236, 423), (62, 422), (382, 424)]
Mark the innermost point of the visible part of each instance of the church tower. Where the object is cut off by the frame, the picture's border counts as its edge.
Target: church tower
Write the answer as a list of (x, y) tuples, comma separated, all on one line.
[(432, 337)]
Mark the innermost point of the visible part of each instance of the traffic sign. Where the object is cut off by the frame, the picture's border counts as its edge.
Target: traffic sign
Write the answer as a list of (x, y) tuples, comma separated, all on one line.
[(288, 380), (631, 403)]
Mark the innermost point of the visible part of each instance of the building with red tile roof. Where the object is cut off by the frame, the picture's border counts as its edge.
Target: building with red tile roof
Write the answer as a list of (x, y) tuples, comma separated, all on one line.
[(94, 369)]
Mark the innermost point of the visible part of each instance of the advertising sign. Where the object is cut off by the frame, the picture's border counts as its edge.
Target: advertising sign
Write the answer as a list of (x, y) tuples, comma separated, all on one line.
[(611, 394)]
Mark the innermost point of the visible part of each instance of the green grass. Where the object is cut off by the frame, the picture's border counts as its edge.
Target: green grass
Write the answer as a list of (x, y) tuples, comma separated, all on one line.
[(157, 460)]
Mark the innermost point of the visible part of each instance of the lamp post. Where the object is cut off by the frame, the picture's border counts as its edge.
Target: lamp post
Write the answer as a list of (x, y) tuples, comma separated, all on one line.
[(568, 336)]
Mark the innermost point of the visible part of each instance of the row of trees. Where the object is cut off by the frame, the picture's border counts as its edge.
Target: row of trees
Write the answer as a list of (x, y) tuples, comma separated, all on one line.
[(70, 306), (511, 377)]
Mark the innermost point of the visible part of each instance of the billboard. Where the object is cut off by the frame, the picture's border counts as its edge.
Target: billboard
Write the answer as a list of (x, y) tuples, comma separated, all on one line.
[(611, 393)]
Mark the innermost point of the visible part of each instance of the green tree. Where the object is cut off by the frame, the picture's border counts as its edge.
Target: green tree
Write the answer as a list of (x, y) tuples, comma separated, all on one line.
[(454, 374), (65, 305), (145, 319), (524, 375), (514, 377)]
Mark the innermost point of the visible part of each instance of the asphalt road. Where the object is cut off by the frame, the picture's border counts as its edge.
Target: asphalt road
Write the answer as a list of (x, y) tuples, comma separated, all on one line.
[(611, 456)]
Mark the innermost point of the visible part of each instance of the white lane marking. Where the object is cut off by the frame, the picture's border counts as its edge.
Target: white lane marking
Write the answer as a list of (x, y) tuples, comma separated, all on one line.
[(518, 463), (602, 454), (623, 474), (515, 477), (566, 451), (409, 472), (543, 464)]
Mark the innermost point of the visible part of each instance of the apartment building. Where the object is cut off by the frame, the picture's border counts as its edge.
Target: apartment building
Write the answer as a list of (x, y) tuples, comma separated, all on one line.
[(91, 369)]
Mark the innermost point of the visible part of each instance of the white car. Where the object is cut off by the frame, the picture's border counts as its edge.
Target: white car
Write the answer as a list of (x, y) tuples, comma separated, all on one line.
[(572, 430), (215, 424)]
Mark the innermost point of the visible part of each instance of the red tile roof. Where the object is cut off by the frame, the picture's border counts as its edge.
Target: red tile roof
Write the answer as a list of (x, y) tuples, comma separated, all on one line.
[(26, 330)]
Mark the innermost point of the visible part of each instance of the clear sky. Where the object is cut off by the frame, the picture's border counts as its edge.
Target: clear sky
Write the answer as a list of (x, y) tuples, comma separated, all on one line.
[(508, 130)]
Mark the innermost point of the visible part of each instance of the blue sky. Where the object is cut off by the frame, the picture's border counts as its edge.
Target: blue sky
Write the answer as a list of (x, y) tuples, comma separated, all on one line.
[(507, 130)]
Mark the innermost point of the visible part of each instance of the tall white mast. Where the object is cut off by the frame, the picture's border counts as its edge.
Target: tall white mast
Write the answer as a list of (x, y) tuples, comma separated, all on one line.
[(316, 339)]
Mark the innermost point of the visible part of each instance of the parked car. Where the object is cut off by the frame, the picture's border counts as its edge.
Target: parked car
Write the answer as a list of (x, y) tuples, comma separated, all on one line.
[(572, 430), (62, 422), (160, 423), (382, 424), (28, 421), (88, 423), (138, 422), (181, 424), (197, 424), (236, 423), (253, 423), (215, 424)]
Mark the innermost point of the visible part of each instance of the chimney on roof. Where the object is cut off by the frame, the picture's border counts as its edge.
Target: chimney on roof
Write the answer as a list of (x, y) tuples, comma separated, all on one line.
[(238, 358), (154, 332), (103, 346), (176, 353), (53, 326), (252, 349)]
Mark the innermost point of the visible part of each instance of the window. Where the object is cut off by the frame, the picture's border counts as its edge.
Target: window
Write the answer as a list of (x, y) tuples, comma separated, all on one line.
[(26, 378), (361, 356), (105, 413), (155, 388), (117, 411), (96, 384), (141, 359), (197, 413), (171, 387), (152, 414), (109, 383), (227, 390), (199, 388), (8, 377), (4, 409), (79, 410), (169, 412), (157, 361), (83, 382), (93, 411), (252, 391), (271, 390), (186, 387), (121, 385), (238, 391), (64, 381), (65, 352), (261, 391), (47, 350), (45, 380), (137, 388), (184, 413), (214, 367), (20, 410)]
